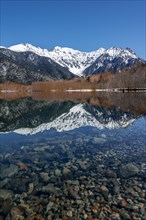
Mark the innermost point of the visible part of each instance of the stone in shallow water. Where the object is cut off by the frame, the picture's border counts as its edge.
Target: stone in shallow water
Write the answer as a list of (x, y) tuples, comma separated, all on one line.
[(36, 217), (79, 202), (9, 172), (128, 170), (44, 176), (104, 188), (49, 188), (103, 135), (124, 214), (16, 214), (4, 182), (30, 188), (69, 214), (66, 171), (5, 194), (57, 172), (49, 206), (98, 140), (115, 216), (104, 191)]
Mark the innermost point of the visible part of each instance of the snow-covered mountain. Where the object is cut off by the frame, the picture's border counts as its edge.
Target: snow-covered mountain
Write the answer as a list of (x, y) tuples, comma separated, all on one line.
[(28, 47), (85, 63), (76, 61), (28, 67), (113, 60)]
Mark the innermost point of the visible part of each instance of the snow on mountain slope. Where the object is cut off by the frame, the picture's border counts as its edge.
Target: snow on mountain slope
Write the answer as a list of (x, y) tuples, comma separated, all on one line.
[(113, 60), (114, 52), (78, 62), (28, 47), (78, 117), (75, 60)]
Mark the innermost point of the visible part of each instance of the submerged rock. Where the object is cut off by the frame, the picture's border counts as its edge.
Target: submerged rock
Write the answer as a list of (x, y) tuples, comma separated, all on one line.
[(9, 171), (69, 214), (66, 171), (30, 188), (4, 182), (99, 140), (57, 172), (16, 214), (128, 170), (49, 206), (5, 194), (44, 176), (48, 188)]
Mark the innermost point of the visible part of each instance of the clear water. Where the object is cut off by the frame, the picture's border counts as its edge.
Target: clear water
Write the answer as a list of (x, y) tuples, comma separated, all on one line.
[(69, 160)]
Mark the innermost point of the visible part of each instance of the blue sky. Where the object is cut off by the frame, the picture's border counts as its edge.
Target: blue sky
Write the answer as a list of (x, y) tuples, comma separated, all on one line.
[(83, 25)]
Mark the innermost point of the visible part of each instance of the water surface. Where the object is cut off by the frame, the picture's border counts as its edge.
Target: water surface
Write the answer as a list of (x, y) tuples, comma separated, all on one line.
[(73, 158)]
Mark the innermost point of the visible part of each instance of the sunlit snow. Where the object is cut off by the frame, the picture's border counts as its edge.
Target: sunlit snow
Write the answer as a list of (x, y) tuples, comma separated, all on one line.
[(75, 60)]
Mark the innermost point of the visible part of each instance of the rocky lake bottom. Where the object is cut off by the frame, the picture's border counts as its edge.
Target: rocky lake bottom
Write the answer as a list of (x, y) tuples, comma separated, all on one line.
[(85, 173)]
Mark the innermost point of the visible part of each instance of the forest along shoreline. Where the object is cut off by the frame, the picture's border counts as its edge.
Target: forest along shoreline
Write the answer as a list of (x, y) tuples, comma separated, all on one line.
[(127, 80)]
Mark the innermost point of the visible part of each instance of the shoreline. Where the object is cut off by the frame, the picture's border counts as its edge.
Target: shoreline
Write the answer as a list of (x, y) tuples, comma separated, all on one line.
[(75, 90)]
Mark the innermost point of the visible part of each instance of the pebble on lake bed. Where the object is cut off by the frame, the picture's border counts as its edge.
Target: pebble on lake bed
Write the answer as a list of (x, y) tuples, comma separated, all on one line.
[(6, 194), (129, 170)]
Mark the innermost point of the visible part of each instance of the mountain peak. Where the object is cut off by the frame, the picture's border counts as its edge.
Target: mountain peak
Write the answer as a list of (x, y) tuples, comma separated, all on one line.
[(29, 47), (118, 51), (21, 47)]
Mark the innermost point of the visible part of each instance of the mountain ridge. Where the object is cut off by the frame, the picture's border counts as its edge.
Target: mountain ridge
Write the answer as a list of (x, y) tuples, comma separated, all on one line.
[(78, 61), (37, 64), (75, 60)]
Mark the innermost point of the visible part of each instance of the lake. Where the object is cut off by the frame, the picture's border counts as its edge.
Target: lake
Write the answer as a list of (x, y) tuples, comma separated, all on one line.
[(75, 156)]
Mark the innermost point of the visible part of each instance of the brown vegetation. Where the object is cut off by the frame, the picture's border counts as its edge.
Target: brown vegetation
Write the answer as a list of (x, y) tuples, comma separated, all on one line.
[(130, 78)]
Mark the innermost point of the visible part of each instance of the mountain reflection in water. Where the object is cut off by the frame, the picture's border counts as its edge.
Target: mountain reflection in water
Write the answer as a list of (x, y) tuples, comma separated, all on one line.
[(75, 156)]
